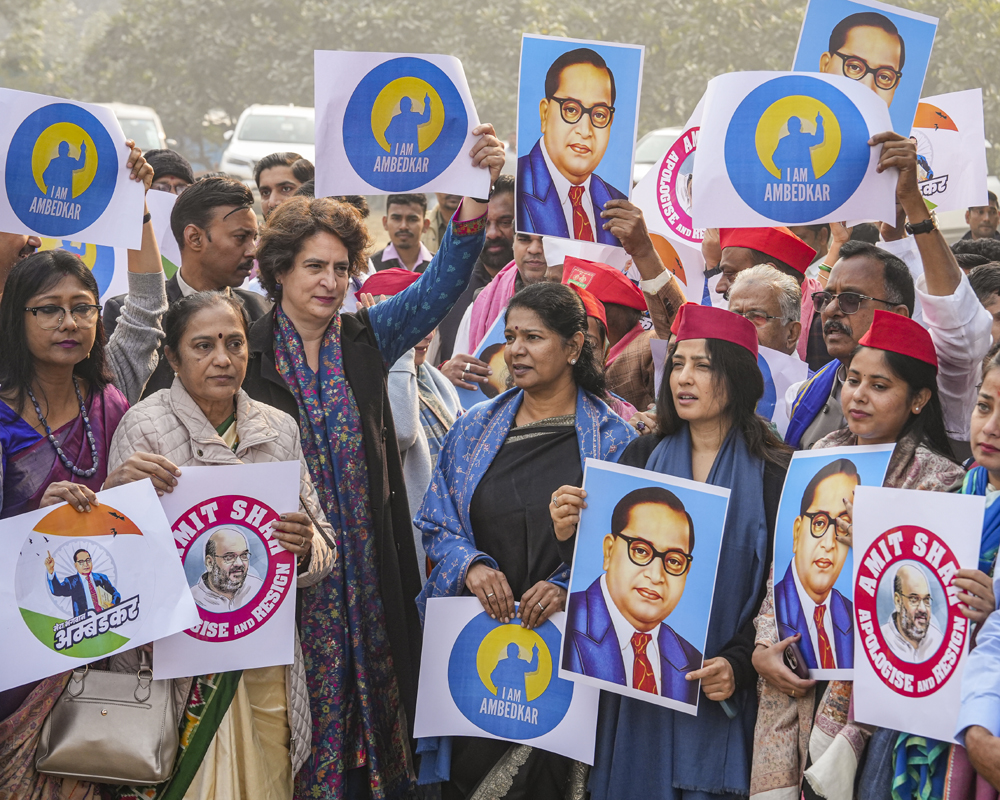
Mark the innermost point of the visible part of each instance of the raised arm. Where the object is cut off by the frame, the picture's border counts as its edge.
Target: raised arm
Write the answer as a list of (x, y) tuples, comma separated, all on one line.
[(132, 348), (401, 321)]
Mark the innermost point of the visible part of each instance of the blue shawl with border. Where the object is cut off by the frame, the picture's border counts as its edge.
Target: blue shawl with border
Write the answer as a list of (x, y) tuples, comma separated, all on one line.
[(810, 399)]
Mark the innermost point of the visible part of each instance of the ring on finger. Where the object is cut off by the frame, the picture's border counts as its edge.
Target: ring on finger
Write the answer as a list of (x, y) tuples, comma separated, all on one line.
[(555, 500), (489, 595), (539, 604)]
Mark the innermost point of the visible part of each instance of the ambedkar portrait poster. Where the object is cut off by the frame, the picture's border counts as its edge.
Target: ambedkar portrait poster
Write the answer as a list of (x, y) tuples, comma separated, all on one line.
[(390, 123), (481, 677), (490, 350), (78, 586), (241, 579), (910, 633), (812, 566), (63, 172), (642, 586), (780, 148), (882, 47), (577, 114)]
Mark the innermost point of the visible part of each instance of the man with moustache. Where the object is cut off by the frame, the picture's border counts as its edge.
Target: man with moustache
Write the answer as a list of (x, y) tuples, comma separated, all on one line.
[(405, 221), (498, 251), (558, 192), (911, 632), (865, 278), (226, 585), (216, 229), (615, 629), (805, 601)]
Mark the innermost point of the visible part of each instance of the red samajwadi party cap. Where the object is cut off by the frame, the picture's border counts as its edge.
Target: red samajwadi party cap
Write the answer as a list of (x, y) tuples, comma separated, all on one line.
[(779, 243), (899, 334), (389, 281), (594, 307), (706, 322), (605, 282)]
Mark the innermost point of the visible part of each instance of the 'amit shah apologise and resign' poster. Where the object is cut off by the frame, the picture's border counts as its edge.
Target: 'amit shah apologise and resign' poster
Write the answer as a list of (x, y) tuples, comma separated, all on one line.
[(641, 592), (241, 578), (78, 586), (911, 635)]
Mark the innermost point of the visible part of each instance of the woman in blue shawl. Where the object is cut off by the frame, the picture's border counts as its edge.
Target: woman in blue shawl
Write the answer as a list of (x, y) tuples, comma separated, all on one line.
[(708, 432), (485, 518)]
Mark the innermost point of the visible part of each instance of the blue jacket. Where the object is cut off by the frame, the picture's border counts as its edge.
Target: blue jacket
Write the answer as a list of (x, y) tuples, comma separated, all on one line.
[(592, 648), (792, 620), (538, 206), (74, 588)]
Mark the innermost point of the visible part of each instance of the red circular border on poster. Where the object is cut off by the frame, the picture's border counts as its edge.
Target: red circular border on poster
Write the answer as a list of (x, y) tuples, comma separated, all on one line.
[(667, 198), (908, 543), (253, 517)]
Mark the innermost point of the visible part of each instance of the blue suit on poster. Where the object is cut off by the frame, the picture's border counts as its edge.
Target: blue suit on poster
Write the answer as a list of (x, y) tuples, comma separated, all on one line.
[(74, 588), (592, 648), (792, 619), (538, 207)]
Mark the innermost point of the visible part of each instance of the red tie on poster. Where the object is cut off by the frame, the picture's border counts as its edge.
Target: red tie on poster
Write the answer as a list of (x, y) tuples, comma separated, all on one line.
[(93, 593), (581, 225), (825, 651), (642, 671)]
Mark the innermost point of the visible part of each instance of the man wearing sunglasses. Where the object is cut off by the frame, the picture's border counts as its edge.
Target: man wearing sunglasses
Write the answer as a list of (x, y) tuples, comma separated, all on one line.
[(864, 278), (558, 193), (615, 630), (867, 47), (805, 601)]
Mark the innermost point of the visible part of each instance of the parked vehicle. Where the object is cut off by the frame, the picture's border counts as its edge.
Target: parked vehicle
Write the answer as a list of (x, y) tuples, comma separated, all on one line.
[(651, 148), (142, 124), (262, 130)]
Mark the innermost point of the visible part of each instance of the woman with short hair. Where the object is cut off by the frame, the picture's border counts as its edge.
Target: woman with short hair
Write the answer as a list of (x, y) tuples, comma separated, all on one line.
[(485, 518), (708, 431), (251, 740), (361, 633)]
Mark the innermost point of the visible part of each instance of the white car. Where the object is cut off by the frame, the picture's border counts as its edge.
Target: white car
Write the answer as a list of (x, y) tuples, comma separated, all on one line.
[(651, 148), (141, 124), (262, 130)]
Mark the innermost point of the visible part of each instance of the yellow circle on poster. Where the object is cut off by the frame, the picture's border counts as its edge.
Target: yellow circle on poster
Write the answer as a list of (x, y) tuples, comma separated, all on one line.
[(47, 149), (773, 126), (494, 649), (386, 106), (87, 253)]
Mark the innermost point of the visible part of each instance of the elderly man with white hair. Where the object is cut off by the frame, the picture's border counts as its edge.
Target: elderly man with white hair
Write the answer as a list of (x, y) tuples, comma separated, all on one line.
[(772, 301)]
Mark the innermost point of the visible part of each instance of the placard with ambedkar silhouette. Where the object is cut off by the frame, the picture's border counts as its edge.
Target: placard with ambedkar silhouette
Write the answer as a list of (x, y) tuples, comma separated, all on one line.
[(812, 565), (910, 633), (642, 586), (884, 48), (482, 677), (394, 123), (63, 172), (241, 578), (577, 115)]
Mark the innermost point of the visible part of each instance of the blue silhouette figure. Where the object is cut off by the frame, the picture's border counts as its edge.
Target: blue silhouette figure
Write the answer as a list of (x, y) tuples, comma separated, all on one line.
[(509, 672), (402, 131), (793, 155), (59, 173)]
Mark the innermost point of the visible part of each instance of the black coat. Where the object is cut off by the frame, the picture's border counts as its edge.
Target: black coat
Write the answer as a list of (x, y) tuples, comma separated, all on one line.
[(391, 519), (163, 376)]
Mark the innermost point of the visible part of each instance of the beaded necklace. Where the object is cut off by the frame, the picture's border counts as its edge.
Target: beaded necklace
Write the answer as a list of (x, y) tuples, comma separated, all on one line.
[(94, 457)]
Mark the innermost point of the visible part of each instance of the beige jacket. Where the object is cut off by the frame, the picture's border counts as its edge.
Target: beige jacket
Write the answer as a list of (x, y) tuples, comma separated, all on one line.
[(169, 423)]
